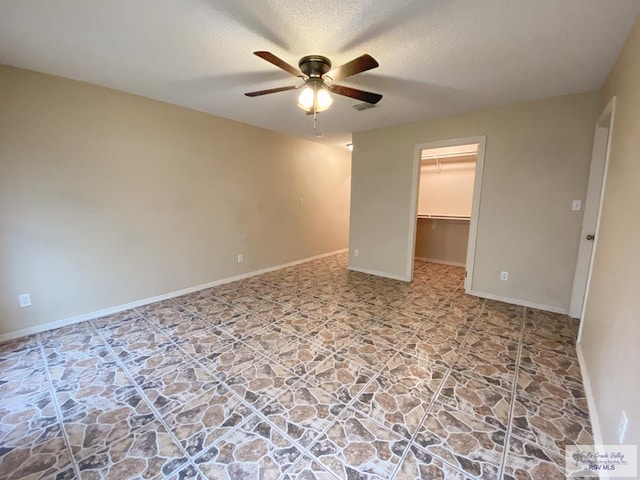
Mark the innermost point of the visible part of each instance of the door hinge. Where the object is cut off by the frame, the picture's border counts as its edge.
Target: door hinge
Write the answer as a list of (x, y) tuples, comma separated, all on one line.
[(465, 274)]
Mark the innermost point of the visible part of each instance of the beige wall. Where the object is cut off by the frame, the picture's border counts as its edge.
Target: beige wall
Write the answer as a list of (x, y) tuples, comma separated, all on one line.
[(446, 243), (536, 162), (611, 328), (107, 198)]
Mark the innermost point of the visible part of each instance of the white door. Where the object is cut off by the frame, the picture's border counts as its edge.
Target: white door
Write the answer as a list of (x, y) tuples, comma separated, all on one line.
[(592, 204)]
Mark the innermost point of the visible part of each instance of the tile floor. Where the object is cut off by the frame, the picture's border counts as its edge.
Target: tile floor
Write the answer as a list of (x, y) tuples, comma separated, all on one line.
[(307, 372)]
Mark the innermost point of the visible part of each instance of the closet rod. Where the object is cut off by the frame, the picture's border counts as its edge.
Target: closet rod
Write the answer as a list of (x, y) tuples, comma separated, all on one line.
[(433, 156), (444, 217)]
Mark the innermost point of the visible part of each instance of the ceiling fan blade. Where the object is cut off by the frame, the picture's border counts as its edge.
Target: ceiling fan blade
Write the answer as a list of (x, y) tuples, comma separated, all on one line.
[(278, 62), (271, 90), (368, 97), (357, 65)]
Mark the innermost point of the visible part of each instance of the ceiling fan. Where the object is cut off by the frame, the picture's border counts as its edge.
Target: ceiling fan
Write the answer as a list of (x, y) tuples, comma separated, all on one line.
[(319, 80)]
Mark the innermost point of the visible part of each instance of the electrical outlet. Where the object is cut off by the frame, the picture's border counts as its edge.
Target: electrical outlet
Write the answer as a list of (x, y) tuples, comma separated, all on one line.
[(623, 423), (504, 276), (576, 206), (25, 300), (356, 252), (240, 259)]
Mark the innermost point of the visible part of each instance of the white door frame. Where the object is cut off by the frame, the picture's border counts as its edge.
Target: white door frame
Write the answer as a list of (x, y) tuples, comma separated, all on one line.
[(475, 206), (592, 211)]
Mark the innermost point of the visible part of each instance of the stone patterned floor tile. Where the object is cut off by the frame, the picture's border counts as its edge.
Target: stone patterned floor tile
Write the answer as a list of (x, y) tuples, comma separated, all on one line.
[(419, 465), (14, 384), (178, 385), (165, 359), (401, 394), (230, 360), (246, 375), (67, 337), (245, 327), (335, 339), (225, 316), (496, 367), (31, 442), (121, 326), (18, 346), (70, 342), (495, 326), (200, 421), (19, 367), (95, 415), (436, 343), (190, 472), (172, 319), (386, 335), (80, 365), (555, 392), (548, 427), (153, 308), (340, 377), (40, 458), (476, 398), (528, 461), (205, 343), (149, 453), (463, 441), (364, 351), (139, 345), (308, 469), (253, 450), (357, 447), (187, 328), (270, 340), (303, 411), (262, 382), (204, 306), (301, 355)]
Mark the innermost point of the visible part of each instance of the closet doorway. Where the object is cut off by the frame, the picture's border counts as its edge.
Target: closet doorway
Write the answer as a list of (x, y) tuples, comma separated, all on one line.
[(447, 186)]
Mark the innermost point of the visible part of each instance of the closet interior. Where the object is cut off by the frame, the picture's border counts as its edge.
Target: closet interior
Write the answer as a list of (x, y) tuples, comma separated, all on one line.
[(445, 198)]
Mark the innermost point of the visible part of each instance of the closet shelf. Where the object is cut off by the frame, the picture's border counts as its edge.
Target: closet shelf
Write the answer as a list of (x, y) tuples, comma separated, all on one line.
[(446, 217)]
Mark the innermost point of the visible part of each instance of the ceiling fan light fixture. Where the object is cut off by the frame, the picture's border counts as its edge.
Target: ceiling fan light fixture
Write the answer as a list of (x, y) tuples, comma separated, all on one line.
[(314, 95), (305, 99), (315, 71), (323, 99)]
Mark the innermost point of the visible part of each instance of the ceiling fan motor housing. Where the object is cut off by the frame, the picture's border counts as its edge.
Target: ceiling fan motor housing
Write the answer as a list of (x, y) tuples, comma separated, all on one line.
[(314, 66)]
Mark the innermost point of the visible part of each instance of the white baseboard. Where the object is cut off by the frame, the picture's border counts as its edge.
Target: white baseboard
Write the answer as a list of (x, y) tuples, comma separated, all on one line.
[(517, 301), (379, 274), (441, 262), (138, 303), (588, 390)]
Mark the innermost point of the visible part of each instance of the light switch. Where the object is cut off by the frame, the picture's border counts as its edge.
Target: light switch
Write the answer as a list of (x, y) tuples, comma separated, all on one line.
[(576, 206)]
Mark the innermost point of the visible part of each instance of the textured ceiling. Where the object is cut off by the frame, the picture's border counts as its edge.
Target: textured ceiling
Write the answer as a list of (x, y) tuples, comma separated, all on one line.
[(437, 57)]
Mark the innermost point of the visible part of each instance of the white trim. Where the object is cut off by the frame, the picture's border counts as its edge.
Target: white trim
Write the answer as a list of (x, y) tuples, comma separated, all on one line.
[(475, 206), (441, 262), (591, 402), (413, 212), (378, 273), (138, 303), (475, 213), (517, 301)]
